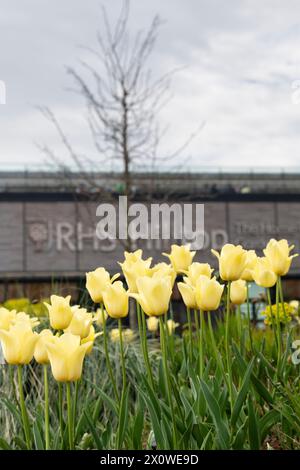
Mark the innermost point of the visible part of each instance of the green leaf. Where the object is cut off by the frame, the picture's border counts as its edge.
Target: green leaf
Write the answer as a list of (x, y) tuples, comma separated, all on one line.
[(93, 430), (253, 428), (138, 426), (38, 440), (123, 417), (242, 394)]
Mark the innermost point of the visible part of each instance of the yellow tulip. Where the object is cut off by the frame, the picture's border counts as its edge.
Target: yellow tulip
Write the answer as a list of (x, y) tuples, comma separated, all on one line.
[(208, 293), (96, 283), (238, 292), (40, 351), (163, 269), (250, 264), (24, 318), (66, 356), (263, 274), (60, 312), (133, 267), (154, 294), (152, 324), (18, 344), (196, 270), (187, 292), (6, 318), (181, 257), (232, 261), (115, 300), (278, 255), (132, 257), (100, 316), (80, 323), (90, 339), (127, 335), (171, 326)]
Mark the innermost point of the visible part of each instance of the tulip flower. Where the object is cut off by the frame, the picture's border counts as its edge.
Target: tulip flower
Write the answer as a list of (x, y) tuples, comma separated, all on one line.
[(25, 319), (115, 300), (181, 257), (132, 257), (60, 312), (100, 317), (90, 338), (278, 255), (80, 323), (232, 261), (188, 294), (238, 292), (154, 294), (208, 293), (6, 318), (96, 283), (18, 344), (251, 258), (163, 269), (127, 334), (171, 326), (196, 270), (66, 356), (40, 351), (152, 324), (263, 273), (133, 267)]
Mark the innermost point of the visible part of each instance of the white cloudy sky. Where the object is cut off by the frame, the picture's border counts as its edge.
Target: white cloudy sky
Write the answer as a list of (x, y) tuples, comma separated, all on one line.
[(241, 60)]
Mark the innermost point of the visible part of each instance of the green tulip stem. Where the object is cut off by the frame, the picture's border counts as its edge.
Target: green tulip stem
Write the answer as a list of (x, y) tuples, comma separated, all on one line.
[(188, 312), (229, 369), (201, 344), (272, 319), (278, 325), (70, 416), (167, 377), (108, 363), (119, 443), (24, 413), (144, 344), (249, 316), (46, 390), (60, 410)]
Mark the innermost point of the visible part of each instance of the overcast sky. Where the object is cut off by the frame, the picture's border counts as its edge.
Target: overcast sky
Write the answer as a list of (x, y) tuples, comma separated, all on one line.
[(240, 78)]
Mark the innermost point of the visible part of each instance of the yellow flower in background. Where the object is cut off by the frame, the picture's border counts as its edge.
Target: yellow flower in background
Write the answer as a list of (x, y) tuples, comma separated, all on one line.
[(285, 314), (238, 292), (196, 270), (250, 265), (6, 318), (232, 261), (152, 324), (171, 326), (115, 300), (18, 344), (60, 312), (40, 351), (100, 316), (66, 356), (80, 323), (154, 294), (181, 257), (295, 304), (188, 294), (163, 269), (263, 274), (96, 283), (127, 335), (278, 255), (90, 339), (133, 267), (208, 293)]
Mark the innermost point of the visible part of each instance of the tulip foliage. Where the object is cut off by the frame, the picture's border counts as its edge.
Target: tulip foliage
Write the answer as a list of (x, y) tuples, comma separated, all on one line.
[(79, 378)]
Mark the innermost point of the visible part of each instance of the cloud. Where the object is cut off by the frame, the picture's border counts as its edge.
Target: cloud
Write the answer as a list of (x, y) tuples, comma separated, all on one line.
[(240, 58)]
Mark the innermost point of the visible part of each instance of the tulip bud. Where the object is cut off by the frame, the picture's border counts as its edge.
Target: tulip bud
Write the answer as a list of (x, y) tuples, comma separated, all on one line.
[(208, 293), (263, 274), (251, 258), (152, 324), (163, 269), (133, 267), (154, 294), (238, 292), (171, 326), (60, 312), (90, 339), (100, 317), (278, 255), (232, 261), (196, 270), (66, 356), (18, 344), (80, 323), (96, 283), (181, 257), (188, 294), (40, 351), (115, 300)]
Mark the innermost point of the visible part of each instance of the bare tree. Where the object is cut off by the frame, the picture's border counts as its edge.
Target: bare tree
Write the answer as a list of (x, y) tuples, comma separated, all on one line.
[(123, 102)]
